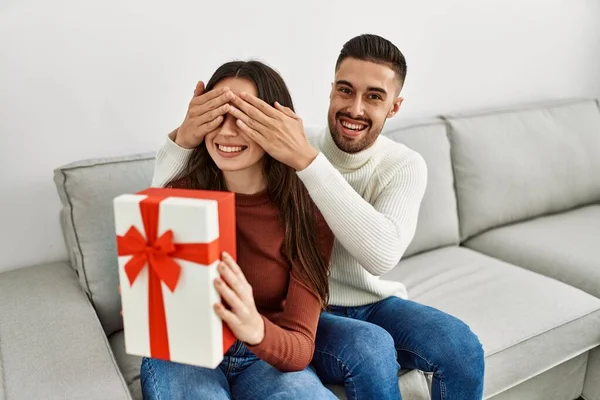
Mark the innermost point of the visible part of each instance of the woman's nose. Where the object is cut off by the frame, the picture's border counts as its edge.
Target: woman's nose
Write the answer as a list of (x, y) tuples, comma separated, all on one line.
[(230, 128)]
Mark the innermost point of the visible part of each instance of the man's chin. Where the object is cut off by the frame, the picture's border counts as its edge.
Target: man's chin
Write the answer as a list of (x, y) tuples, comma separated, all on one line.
[(347, 144), (354, 143)]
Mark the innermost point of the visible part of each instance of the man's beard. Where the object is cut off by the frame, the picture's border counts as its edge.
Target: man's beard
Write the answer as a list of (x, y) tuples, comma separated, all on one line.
[(353, 146)]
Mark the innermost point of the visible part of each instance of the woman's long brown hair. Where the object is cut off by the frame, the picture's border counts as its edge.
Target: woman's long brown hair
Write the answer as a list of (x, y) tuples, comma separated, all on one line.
[(285, 189)]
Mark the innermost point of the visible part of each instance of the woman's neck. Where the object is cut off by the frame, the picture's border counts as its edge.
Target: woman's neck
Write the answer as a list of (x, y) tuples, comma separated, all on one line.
[(246, 181)]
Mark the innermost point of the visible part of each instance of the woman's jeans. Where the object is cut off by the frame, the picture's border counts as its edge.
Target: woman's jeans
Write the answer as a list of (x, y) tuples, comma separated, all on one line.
[(241, 375), (364, 347)]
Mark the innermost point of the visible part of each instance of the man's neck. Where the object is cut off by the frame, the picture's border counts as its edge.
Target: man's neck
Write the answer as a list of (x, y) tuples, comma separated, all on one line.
[(247, 181)]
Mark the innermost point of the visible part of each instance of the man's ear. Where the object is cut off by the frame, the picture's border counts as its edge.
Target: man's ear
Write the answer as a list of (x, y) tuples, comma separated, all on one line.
[(395, 107), (332, 88)]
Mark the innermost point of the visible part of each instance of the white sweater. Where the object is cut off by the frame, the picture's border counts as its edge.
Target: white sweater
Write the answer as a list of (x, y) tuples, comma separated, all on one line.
[(370, 200)]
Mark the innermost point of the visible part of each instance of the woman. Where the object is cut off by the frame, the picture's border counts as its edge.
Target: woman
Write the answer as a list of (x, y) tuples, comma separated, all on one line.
[(279, 288)]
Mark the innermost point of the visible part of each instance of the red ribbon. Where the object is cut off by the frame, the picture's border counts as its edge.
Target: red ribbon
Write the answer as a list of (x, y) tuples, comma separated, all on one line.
[(159, 253)]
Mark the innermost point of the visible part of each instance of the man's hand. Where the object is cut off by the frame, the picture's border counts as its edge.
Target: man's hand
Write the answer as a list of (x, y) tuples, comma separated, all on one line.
[(243, 319), (279, 131), (204, 115)]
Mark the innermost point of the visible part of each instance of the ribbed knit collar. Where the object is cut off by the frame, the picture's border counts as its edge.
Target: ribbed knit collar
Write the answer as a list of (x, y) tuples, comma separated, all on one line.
[(246, 200), (342, 159)]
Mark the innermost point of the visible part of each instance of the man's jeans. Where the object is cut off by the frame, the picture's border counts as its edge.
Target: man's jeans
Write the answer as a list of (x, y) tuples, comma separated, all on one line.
[(241, 375), (360, 347)]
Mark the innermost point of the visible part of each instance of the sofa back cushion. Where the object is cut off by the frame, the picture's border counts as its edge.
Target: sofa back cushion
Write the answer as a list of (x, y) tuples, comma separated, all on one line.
[(86, 190), (515, 165), (438, 218)]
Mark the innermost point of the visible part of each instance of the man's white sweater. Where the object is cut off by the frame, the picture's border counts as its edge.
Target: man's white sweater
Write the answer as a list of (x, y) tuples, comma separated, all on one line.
[(370, 200)]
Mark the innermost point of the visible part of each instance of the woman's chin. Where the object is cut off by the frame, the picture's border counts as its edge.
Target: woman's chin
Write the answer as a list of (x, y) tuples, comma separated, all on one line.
[(230, 166)]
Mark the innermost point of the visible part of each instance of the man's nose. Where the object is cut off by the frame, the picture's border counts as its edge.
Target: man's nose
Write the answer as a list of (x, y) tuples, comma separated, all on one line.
[(356, 108)]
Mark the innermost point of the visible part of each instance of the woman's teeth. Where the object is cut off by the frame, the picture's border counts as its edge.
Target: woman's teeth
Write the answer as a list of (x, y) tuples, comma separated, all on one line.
[(353, 127), (230, 149)]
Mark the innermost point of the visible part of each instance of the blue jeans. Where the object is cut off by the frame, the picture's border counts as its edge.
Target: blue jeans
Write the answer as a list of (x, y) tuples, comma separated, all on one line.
[(241, 375), (364, 347)]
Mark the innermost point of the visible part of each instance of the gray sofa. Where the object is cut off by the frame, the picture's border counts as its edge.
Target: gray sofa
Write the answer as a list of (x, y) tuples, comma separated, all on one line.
[(508, 241)]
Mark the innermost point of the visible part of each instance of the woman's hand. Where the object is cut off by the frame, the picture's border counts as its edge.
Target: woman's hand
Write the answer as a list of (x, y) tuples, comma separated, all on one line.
[(243, 319)]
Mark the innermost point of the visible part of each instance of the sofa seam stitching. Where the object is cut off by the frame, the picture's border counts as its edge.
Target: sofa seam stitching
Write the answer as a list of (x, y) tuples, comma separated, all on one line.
[(69, 168), (68, 197), (449, 131), (525, 107), (526, 220), (597, 310)]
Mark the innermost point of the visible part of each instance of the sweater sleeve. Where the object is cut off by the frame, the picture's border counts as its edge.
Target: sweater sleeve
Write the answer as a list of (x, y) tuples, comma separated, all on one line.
[(289, 345), (377, 234), (170, 162)]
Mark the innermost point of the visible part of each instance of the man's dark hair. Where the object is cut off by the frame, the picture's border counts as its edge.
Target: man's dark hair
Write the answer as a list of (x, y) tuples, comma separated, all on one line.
[(369, 47)]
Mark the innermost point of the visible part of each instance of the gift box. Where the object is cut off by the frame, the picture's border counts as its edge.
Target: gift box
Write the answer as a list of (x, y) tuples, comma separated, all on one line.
[(169, 243)]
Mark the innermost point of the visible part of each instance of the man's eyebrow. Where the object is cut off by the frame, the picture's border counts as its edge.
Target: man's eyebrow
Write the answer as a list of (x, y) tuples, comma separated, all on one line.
[(377, 89), (370, 89), (343, 82)]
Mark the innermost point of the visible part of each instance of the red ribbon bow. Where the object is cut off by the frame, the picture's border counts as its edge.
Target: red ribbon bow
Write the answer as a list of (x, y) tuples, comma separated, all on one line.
[(158, 254)]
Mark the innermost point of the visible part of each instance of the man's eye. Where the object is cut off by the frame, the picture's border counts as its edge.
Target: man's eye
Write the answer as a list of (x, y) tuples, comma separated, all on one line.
[(374, 97), (345, 90)]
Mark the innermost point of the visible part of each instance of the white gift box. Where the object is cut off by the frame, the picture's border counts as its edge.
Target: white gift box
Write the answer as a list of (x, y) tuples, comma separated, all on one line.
[(169, 244)]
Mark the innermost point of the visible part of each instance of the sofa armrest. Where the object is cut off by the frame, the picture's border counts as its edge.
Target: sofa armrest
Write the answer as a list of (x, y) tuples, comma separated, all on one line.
[(52, 345)]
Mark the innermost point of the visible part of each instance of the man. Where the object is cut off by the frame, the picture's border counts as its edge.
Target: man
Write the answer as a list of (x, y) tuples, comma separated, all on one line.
[(369, 190)]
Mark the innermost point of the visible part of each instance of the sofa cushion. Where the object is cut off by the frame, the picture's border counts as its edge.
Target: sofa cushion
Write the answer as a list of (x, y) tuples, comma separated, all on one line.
[(527, 323), (86, 190), (564, 246), (515, 165), (438, 217), (52, 345)]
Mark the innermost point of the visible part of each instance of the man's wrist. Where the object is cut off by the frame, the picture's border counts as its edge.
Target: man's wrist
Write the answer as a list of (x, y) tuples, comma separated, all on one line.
[(306, 158), (175, 138)]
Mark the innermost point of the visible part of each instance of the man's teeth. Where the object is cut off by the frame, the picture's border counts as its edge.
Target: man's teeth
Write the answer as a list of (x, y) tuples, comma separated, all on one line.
[(231, 149), (354, 127)]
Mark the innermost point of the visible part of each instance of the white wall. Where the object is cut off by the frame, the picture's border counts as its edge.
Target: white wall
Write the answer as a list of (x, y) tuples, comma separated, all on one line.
[(82, 79)]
